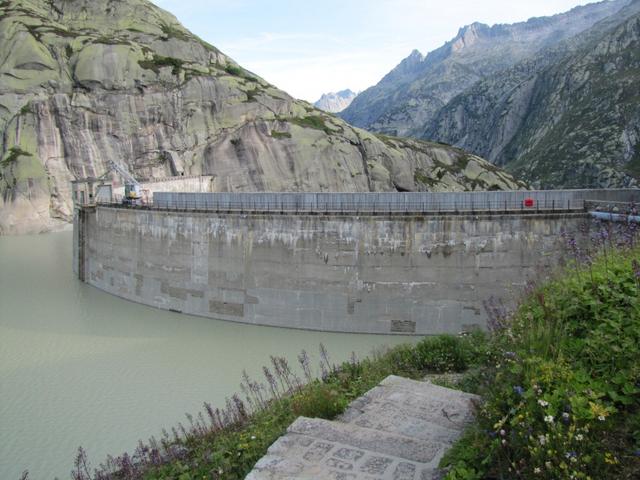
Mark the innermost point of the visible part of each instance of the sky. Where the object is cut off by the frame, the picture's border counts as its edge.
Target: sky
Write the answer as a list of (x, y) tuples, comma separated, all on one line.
[(310, 47)]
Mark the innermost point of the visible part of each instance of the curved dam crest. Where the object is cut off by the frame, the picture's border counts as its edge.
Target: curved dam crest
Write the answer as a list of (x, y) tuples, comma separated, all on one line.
[(411, 274)]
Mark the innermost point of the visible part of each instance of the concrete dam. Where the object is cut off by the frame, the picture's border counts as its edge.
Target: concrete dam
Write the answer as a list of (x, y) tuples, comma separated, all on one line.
[(386, 263)]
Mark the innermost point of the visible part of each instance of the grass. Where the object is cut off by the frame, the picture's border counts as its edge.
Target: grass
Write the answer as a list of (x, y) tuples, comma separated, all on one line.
[(252, 94), (237, 71), (280, 135), (311, 121), (171, 31), (420, 176), (159, 61), (14, 154), (562, 384)]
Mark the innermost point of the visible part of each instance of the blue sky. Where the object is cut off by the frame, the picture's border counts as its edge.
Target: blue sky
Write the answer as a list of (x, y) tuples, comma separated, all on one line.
[(309, 47)]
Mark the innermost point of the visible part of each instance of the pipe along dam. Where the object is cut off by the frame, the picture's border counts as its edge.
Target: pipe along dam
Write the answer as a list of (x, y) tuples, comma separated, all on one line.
[(385, 263)]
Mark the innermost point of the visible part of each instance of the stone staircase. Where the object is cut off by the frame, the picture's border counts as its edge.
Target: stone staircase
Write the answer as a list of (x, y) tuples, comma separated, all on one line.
[(398, 430)]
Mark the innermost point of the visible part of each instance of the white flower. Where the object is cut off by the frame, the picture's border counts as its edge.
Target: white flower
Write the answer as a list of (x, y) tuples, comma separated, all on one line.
[(548, 418), (601, 418), (565, 415), (544, 403), (542, 439), (253, 437), (537, 470), (579, 437), (502, 433)]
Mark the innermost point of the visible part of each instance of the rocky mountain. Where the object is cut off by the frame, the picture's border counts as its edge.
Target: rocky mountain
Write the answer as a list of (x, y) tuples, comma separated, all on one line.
[(568, 117), (82, 82), (335, 102), (408, 98)]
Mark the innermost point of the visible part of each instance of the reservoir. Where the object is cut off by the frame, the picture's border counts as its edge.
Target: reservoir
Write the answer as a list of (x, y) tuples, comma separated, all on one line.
[(81, 367)]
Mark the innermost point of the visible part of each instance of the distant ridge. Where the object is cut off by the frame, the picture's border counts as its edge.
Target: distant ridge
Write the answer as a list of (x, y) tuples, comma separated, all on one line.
[(335, 102), (524, 96)]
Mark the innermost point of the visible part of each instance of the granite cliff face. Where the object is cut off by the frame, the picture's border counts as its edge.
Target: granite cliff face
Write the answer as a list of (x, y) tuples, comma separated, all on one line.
[(335, 102), (568, 117), (82, 82), (407, 99)]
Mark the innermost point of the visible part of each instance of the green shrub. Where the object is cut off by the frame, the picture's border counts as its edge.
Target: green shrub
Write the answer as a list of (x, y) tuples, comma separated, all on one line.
[(562, 400), (276, 134), (319, 400), (234, 70), (311, 121), (171, 31), (159, 61), (13, 155), (442, 354)]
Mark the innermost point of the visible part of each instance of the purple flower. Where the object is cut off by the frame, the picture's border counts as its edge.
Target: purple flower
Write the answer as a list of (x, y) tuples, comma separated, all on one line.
[(636, 268), (519, 390)]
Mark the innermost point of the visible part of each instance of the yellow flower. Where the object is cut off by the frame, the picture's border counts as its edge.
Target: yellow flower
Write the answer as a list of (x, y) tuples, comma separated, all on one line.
[(610, 459), (598, 410)]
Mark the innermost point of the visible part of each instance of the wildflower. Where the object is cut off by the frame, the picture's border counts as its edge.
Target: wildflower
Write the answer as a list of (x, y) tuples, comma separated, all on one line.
[(537, 470), (601, 418), (504, 442), (548, 418), (542, 439), (253, 437), (549, 465), (543, 403), (610, 459), (519, 390), (502, 433), (579, 437), (636, 269)]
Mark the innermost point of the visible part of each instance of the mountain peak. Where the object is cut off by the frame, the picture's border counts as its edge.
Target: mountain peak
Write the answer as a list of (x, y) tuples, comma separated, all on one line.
[(469, 35), (335, 102)]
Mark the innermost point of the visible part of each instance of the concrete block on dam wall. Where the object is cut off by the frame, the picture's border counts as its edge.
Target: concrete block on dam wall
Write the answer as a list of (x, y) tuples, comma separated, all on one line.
[(389, 274)]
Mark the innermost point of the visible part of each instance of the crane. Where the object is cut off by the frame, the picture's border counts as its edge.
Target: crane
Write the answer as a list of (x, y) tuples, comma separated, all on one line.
[(132, 188)]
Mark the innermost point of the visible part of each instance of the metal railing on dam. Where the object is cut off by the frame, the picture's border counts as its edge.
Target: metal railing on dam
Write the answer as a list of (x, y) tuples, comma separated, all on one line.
[(392, 202)]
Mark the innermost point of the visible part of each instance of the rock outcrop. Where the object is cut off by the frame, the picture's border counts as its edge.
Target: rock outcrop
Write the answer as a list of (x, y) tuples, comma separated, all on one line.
[(82, 82), (335, 102), (568, 117)]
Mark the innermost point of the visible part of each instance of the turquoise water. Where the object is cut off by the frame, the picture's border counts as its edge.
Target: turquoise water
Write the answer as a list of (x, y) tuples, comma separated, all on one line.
[(81, 367)]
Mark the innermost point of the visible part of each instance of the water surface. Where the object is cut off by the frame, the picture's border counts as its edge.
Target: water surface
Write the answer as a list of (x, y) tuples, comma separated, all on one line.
[(81, 367)]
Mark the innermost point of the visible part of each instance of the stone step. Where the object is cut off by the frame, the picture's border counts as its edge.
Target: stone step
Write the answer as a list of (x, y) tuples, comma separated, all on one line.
[(322, 449), (414, 409), (398, 430)]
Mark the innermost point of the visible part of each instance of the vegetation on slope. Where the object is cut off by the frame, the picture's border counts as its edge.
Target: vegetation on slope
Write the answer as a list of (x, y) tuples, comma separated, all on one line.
[(562, 392)]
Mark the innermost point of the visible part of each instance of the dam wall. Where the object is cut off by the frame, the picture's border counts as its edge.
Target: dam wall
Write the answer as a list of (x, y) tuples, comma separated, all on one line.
[(395, 273)]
